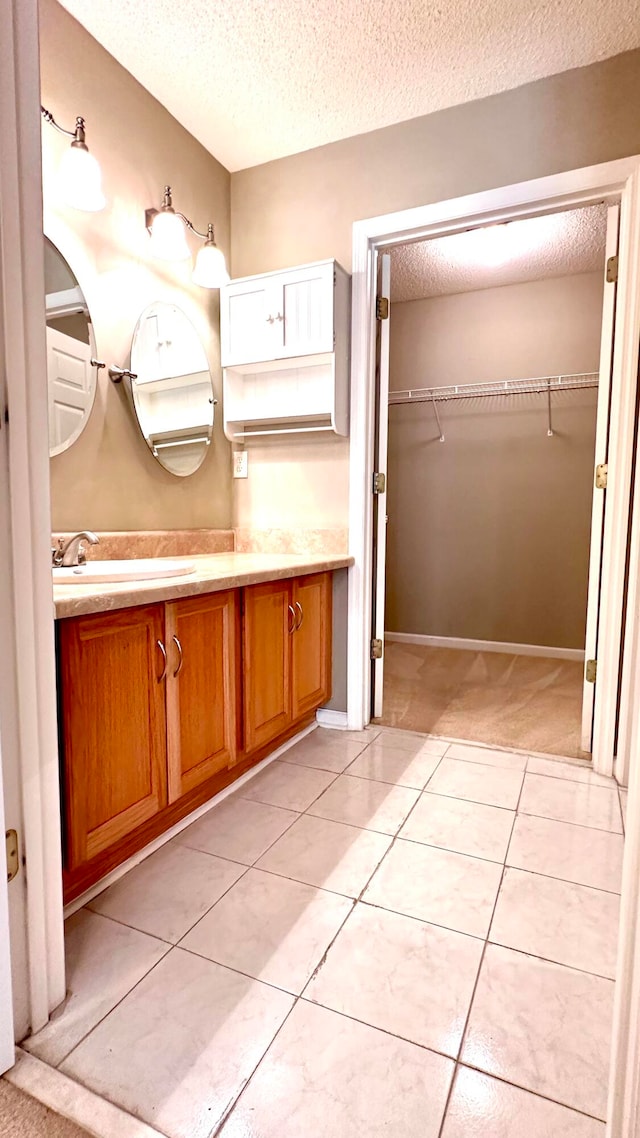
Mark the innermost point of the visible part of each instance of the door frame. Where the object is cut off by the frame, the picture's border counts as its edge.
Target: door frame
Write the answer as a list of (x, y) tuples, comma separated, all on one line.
[(619, 180), (30, 762), (606, 182)]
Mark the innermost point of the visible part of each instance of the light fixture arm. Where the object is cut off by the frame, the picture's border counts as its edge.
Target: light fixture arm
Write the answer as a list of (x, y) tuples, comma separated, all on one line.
[(77, 135), (167, 205)]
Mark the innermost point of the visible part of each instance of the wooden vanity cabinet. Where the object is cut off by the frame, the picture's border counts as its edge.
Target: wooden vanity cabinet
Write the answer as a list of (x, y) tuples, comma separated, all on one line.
[(286, 654), (266, 657), (163, 705), (141, 731), (201, 713), (311, 643), (113, 720)]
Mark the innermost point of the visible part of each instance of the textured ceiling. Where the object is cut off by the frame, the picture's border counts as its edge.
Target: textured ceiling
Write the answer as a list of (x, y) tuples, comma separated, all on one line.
[(255, 80), (552, 246)]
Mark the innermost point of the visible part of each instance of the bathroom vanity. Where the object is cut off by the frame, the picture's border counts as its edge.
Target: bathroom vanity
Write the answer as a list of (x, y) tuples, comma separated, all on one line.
[(171, 689)]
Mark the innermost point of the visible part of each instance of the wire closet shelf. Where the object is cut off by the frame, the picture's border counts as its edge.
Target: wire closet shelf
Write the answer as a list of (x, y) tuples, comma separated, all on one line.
[(541, 385)]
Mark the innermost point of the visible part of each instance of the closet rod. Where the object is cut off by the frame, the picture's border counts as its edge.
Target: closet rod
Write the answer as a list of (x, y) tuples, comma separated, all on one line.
[(539, 385)]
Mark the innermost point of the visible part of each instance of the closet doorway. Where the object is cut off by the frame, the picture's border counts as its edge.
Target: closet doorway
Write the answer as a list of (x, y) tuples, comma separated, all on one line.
[(494, 369)]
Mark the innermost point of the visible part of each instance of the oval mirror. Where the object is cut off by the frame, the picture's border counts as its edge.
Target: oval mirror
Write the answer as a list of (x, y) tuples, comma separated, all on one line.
[(71, 374), (173, 391)]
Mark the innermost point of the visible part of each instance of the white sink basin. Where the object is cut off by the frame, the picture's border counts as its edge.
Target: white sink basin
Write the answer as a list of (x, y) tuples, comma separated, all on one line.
[(141, 569)]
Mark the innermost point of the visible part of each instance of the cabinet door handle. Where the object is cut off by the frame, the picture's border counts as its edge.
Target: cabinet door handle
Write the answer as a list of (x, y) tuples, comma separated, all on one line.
[(180, 657), (271, 319), (300, 617), (164, 660), (292, 622)]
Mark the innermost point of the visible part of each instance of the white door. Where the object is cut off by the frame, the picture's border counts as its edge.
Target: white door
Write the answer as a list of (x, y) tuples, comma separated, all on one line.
[(590, 690), (7, 1058), (380, 467), (70, 385)]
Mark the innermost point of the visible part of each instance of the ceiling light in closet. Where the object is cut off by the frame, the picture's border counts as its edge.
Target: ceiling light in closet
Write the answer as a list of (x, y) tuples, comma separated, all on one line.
[(167, 228), (79, 175), (492, 245)]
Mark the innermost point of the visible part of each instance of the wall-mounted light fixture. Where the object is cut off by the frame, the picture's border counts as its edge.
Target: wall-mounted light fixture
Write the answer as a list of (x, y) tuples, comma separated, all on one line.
[(168, 242), (79, 173)]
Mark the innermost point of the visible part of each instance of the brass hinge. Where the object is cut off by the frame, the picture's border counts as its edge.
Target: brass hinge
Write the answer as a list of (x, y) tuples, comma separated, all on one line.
[(590, 671), (612, 270), (602, 471), (382, 308), (13, 859), (376, 649), (379, 483)]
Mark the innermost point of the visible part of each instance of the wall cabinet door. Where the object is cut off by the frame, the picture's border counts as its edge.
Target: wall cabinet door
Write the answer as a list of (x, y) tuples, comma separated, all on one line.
[(311, 642), (267, 630), (305, 312), (278, 315), (249, 328), (201, 698), (113, 713)]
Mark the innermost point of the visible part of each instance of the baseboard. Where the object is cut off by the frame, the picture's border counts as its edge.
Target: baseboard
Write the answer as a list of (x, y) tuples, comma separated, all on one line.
[(327, 718), (486, 646)]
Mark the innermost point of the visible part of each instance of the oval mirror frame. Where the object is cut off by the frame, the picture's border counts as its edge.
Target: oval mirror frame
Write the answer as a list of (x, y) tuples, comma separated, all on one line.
[(72, 380), (172, 391)]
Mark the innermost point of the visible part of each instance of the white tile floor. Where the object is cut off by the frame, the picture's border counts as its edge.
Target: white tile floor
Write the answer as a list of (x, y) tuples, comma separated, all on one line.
[(379, 935)]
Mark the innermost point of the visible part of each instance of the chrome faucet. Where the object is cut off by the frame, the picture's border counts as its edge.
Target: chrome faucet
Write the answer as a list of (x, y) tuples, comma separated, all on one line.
[(72, 552)]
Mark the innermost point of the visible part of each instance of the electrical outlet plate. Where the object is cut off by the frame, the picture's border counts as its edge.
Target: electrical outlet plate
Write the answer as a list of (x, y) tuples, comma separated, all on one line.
[(240, 464)]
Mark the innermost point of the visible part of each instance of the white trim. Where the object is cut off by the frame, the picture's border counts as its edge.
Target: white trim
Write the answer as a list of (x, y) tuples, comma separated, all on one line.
[(162, 839), (35, 759), (620, 460), (598, 496), (336, 719), (486, 646), (73, 1101), (623, 1112)]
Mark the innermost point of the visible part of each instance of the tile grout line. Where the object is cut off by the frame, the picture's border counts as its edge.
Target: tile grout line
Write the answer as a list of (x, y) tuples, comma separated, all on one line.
[(315, 972), (457, 1061)]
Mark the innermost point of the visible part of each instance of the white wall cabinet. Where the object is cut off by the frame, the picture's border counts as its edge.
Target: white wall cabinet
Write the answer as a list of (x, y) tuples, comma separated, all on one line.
[(285, 352)]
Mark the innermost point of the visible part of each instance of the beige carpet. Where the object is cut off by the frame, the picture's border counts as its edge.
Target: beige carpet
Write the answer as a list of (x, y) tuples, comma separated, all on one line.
[(22, 1117), (529, 702)]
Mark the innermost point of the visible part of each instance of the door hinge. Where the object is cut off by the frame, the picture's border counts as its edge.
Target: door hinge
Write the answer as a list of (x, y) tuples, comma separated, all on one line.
[(590, 671), (13, 859), (602, 470), (382, 308), (612, 270), (376, 649), (379, 483)]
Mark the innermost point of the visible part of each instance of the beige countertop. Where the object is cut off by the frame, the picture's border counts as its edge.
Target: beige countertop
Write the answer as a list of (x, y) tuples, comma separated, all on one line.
[(213, 572)]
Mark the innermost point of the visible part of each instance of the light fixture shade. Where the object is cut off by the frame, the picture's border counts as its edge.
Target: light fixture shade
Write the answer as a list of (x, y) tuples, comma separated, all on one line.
[(210, 269), (168, 240), (80, 179)]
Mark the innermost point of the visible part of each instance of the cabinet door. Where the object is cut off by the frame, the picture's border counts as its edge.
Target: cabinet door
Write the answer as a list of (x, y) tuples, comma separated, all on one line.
[(305, 312), (249, 327), (201, 700), (311, 642), (113, 711), (268, 621)]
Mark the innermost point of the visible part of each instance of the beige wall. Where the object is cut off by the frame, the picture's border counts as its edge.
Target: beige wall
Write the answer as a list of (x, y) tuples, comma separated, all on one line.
[(302, 208), (488, 534), (109, 479)]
